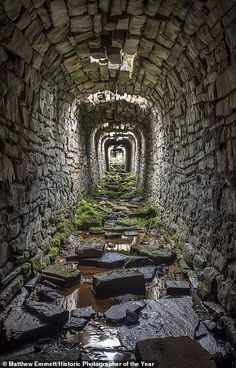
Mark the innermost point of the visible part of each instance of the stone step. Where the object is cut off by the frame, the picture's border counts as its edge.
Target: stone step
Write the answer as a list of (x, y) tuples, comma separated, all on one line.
[(61, 275), (174, 287), (118, 282), (107, 260)]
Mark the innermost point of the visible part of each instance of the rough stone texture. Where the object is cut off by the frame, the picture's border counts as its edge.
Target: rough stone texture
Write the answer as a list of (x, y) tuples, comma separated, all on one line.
[(184, 67), (178, 352), (61, 275), (107, 260), (114, 283), (117, 313), (165, 318), (174, 287), (21, 327), (48, 313)]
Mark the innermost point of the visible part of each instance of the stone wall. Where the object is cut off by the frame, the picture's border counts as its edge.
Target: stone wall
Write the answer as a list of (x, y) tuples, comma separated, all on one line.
[(192, 176), (43, 170)]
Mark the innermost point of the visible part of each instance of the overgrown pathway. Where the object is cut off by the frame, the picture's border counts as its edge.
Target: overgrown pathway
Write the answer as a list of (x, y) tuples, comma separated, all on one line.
[(117, 278)]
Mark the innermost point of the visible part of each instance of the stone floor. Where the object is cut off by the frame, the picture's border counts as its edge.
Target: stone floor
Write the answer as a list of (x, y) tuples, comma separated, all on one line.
[(115, 291)]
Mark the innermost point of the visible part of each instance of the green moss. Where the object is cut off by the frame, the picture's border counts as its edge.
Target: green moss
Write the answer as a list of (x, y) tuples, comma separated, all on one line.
[(148, 212), (62, 270), (202, 291), (57, 239), (183, 265), (39, 262), (26, 268), (19, 281), (36, 262), (87, 214), (53, 253), (96, 230), (138, 222), (26, 255), (164, 254)]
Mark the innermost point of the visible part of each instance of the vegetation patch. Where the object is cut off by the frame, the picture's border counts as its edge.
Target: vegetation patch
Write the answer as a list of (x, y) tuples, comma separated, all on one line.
[(87, 214), (96, 230)]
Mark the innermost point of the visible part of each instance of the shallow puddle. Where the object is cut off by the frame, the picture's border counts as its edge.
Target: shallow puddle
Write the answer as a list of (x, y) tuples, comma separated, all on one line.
[(83, 296), (100, 342), (97, 335)]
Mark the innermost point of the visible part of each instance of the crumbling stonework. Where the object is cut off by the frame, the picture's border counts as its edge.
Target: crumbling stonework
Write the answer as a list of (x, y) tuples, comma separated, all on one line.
[(54, 54)]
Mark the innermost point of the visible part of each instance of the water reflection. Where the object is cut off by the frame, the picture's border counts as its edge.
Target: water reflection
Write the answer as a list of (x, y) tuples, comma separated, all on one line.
[(100, 342), (96, 336), (83, 296)]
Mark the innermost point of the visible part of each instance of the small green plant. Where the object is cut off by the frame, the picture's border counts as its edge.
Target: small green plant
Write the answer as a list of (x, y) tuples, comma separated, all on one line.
[(87, 214), (96, 230)]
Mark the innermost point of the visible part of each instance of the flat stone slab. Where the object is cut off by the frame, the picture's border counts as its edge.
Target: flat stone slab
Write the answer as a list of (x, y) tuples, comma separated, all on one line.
[(174, 287), (76, 324), (89, 249), (174, 352), (161, 318), (148, 272), (117, 314), (48, 313), (45, 293), (61, 275), (118, 282), (137, 199), (136, 261), (110, 235), (86, 313), (154, 251), (116, 229), (21, 327), (130, 233), (107, 260)]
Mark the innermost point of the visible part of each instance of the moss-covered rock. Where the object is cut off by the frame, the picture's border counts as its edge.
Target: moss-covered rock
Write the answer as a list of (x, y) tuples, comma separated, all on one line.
[(96, 230), (26, 269), (87, 214), (62, 275), (160, 254), (11, 290), (52, 254), (202, 290)]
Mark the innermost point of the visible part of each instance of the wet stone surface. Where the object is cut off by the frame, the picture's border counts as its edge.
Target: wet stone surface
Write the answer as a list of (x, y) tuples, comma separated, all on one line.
[(105, 293), (118, 283), (178, 352)]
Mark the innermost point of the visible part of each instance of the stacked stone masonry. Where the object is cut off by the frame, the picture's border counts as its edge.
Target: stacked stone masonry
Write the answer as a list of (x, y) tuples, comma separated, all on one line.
[(54, 54)]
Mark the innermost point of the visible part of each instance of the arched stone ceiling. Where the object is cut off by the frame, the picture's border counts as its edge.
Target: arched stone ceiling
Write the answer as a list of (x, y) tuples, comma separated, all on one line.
[(128, 111), (169, 38)]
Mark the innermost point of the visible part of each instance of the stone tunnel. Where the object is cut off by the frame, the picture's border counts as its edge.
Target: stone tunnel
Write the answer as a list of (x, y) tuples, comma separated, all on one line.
[(155, 77)]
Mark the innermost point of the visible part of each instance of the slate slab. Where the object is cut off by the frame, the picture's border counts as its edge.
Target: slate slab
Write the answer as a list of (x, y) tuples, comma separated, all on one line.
[(174, 352), (175, 287), (61, 275), (117, 314), (118, 282), (107, 260)]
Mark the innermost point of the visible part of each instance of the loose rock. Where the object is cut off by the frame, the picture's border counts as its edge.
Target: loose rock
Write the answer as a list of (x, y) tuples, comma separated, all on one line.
[(174, 287), (157, 253), (107, 260), (174, 352), (118, 283), (63, 276), (135, 261), (48, 313), (86, 313), (117, 314), (89, 249)]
